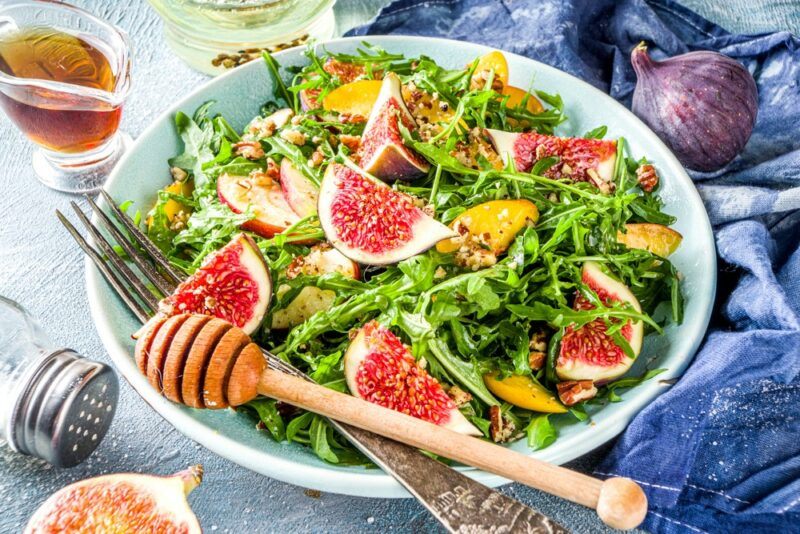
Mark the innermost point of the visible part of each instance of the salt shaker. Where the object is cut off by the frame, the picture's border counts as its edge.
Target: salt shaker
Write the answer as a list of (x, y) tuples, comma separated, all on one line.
[(58, 405)]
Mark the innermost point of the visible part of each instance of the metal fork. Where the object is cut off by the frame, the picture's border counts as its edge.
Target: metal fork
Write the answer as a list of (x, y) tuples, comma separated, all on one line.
[(458, 502)]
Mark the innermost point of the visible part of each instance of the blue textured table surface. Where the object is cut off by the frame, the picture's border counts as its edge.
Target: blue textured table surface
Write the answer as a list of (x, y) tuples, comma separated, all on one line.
[(40, 268)]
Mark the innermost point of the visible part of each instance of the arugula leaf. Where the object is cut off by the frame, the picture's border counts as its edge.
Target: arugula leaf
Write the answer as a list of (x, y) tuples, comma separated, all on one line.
[(540, 432)]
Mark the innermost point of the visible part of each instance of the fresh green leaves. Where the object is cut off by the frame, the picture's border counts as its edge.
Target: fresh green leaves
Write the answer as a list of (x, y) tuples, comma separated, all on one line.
[(540, 432)]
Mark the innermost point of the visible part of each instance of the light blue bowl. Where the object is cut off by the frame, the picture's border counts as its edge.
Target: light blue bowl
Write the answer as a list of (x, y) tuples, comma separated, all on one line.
[(239, 94)]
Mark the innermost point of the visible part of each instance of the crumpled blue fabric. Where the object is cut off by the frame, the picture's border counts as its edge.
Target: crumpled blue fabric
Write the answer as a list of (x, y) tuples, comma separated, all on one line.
[(720, 451)]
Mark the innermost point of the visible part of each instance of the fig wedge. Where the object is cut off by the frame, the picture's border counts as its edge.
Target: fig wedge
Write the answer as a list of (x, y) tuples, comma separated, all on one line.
[(382, 151), (381, 370), (371, 223)]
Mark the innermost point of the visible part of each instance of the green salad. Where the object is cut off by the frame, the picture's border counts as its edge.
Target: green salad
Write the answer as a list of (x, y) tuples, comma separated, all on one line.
[(433, 245)]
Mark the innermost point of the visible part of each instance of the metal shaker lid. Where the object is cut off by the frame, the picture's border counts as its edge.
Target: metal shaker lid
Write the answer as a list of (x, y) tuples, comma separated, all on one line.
[(65, 409)]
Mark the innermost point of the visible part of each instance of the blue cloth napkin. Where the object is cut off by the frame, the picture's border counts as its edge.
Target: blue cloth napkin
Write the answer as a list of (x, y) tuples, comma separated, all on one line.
[(720, 451)]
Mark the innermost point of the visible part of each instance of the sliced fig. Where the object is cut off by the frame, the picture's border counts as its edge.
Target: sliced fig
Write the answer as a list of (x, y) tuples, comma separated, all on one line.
[(124, 502), (321, 260), (371, 223), (581, 160), (588, 352), (382, 151), (233, 284), (300, 192), (263, 196), (381, 370)]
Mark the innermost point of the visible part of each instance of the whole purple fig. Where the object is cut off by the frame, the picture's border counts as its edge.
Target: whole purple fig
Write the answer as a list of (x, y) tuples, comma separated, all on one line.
[(703, 105)]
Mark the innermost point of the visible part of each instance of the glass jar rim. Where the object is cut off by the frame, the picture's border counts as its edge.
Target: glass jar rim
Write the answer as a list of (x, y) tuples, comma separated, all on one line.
[(120, 48)]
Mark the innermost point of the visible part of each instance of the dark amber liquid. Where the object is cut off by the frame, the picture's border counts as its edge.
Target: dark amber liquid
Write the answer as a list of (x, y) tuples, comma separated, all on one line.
[(57, 120)]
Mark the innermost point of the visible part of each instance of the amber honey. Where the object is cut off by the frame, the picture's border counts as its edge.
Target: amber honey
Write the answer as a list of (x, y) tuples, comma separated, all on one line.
[(62, 121)]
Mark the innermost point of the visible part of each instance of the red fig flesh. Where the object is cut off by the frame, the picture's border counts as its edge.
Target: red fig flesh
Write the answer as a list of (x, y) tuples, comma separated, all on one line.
[(233, 283), (124, 502), (381, 370), (582, 160), (300, 192), (703, 105), (371, 223), (589, 353), (382, 151)]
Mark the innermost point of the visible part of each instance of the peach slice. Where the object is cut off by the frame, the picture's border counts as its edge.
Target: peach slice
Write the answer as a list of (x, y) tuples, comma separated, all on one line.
[(656, 238), (356, 98), (496, 221), (263, 196), (521, 391), (495, 61), (515, 96), (301, 193), (173, 207)]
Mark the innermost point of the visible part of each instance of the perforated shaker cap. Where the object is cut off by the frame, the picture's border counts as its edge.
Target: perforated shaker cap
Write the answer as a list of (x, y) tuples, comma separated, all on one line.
[(65, 409)]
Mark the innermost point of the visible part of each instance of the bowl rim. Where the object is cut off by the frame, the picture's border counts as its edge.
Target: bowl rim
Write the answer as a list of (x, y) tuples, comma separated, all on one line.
[(375, 483)]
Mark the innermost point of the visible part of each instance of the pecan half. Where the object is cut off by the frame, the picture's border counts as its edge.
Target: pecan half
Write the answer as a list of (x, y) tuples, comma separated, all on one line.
[(647, 177), (575, 391), (502, 429)]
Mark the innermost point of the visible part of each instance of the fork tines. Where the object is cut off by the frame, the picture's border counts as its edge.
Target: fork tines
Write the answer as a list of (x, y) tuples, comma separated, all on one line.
[(140, 293), (141, 297)]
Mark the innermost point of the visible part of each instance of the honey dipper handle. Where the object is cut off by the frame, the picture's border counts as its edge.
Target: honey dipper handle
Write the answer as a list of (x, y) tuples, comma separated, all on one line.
[(619, 502)]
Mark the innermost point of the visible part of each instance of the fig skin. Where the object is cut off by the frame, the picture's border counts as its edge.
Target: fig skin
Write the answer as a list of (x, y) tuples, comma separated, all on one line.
[(703, 105)]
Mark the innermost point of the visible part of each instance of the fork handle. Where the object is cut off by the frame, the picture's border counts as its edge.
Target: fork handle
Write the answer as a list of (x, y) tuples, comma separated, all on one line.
[(619, 502)]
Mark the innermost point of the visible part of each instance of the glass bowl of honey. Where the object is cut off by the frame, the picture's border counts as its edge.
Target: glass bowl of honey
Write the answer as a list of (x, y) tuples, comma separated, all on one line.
[(64, 76), (215, 35)]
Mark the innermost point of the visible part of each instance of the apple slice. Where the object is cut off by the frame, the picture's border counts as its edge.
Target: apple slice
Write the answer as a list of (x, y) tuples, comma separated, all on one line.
[(321, 260), (581, 160), (371, 223), (301, 193), (261, 194), (382, 151)]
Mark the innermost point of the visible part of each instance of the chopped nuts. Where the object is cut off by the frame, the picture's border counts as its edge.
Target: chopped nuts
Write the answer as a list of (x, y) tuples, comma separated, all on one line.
[(249, 149), (293, 136), (501, 428), (352, 142), (178, 174), (538, 350), (459, 396), (439, 273), (647, 177), (575, 391)]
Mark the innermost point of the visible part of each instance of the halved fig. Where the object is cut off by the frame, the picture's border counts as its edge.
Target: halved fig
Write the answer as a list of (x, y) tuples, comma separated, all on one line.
[(124, 502), (589, 353), (581, 160), (263, 196), (380, 369), (356, 98), (495, 222), (382, 151), (371, 223), (321, 260), (233, 283), (300, 192), (656, 238), (522, 391)]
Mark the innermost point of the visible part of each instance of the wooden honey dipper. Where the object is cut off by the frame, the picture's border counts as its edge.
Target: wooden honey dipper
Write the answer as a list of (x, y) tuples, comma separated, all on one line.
[(205, 362)]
